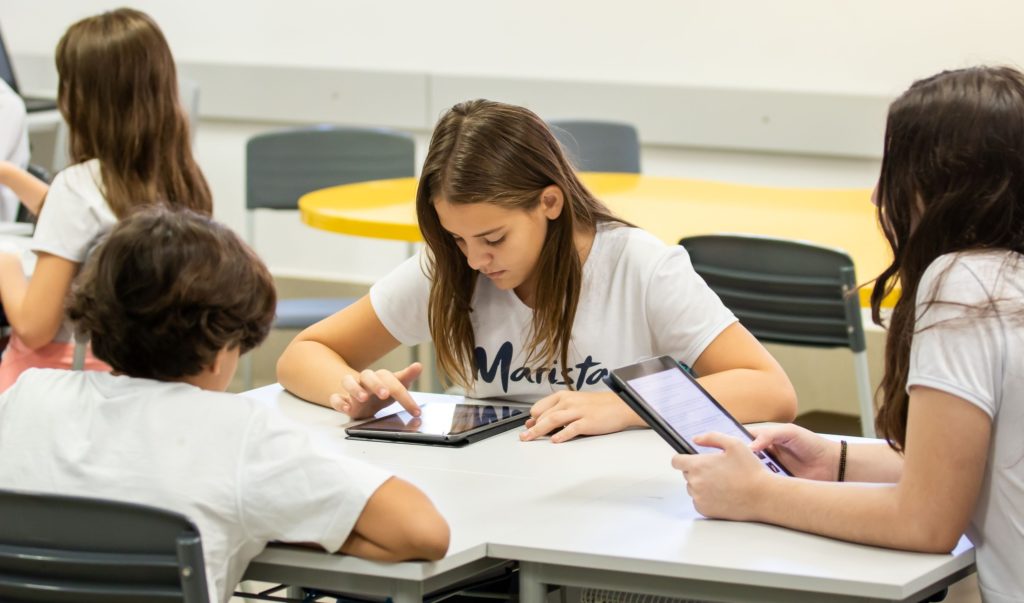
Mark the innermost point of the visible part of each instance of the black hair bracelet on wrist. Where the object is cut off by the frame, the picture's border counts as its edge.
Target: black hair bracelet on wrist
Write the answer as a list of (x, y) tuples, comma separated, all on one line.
[(842, 461)]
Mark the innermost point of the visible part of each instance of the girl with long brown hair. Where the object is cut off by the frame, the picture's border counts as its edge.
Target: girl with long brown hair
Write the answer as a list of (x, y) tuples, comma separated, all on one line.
[(951, 204), (532, 290), (129, 146)]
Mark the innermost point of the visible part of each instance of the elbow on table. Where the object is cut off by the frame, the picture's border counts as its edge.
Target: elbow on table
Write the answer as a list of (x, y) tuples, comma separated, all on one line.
[(938, 540), (289, 367), (429, 537), (283, 368), (783, 402)]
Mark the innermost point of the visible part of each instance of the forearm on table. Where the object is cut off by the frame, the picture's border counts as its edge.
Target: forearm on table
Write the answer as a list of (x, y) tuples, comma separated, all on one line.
[(872, 462), (874, 514), (358, 546), (753, 395), (312, 371)]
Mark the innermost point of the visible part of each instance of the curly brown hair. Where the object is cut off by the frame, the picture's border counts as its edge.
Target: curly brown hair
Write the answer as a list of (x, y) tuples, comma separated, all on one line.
[(167, 290)]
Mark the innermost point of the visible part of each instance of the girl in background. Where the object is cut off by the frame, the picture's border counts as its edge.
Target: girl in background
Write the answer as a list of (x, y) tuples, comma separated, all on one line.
[(129, 147)]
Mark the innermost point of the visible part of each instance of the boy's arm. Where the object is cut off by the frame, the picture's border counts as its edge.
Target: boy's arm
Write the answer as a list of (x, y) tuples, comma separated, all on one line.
[(27, 187), (398, 523)]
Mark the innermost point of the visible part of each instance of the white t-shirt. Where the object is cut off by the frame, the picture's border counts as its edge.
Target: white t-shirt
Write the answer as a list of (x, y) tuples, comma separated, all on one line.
[(977, 356), (639, 298), (13, 144), (74, 217), (239, 470)]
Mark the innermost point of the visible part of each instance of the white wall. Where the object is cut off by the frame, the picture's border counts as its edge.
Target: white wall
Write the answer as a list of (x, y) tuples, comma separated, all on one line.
[(862, 46), (825, 56)]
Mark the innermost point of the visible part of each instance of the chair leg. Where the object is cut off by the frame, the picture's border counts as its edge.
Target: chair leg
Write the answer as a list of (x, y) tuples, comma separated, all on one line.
[(247, 371), (864, 396)]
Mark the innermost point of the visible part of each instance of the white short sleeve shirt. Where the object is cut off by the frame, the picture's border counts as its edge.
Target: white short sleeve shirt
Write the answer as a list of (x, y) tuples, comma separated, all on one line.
[(640, 298), (968, 348), (74, 217), (243, 473)]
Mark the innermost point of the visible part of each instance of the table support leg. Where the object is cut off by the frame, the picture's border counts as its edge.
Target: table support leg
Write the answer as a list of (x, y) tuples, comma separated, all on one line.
[(531, 588), (406, 591)]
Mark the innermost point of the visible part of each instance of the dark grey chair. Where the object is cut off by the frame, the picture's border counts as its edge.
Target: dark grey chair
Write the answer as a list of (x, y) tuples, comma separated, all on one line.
[(599, 146), (282, 166), (64, 548), (789, 292)]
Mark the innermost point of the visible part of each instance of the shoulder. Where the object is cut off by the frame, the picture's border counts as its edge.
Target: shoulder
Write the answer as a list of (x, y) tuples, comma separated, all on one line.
[(633, 247), (972, 277), (84, 180), (34, 379)]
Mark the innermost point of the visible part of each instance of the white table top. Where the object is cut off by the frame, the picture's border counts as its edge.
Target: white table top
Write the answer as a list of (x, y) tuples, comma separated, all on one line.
[(611, 502)]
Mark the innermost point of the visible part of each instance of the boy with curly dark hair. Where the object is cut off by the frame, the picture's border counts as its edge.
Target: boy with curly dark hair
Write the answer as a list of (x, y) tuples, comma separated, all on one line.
[(170, 301)]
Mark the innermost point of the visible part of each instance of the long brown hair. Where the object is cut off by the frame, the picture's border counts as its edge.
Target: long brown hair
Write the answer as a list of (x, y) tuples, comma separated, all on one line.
[(952, 180), (489, 152), (118, 92)]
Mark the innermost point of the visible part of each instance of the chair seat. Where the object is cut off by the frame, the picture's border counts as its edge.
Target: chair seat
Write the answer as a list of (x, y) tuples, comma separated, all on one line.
[(299, 313)]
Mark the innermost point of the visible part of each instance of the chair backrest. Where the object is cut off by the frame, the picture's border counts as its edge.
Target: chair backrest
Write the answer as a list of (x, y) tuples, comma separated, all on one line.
[(282, 166), (599, 146), (783, 291), (65, 548)]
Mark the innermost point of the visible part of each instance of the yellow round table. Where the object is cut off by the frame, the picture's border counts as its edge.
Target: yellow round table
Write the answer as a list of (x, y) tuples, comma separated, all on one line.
[(670, 208)]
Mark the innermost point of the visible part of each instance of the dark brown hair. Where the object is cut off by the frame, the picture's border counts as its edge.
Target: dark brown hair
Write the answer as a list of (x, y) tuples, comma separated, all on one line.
[(118, 92), (488, 152), (167, 290), (952, 180)]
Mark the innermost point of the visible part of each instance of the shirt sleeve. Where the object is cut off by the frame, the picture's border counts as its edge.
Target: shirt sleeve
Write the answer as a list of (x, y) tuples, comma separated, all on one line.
[(68, 225), (958, 345), (400, 300), (298, 487), (684, 314)]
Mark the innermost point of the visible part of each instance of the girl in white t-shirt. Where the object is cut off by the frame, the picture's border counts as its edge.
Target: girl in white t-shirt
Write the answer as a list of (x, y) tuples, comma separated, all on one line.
[(951, 203), (530, 289), (129, 146)]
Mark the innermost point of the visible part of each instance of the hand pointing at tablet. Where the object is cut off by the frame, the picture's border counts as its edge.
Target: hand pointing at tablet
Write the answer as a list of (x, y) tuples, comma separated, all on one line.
[(365, 393)]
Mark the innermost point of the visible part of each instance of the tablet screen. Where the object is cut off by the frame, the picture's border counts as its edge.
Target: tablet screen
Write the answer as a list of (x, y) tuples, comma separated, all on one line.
[(443, 419), (688, 410)]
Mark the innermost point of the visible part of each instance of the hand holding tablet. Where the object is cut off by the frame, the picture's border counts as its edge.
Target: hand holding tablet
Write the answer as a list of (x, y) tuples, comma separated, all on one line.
[(678, 408)]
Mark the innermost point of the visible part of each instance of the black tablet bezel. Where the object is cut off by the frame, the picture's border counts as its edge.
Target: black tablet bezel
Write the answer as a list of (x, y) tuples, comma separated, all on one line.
[(450, 439), (618, 381)]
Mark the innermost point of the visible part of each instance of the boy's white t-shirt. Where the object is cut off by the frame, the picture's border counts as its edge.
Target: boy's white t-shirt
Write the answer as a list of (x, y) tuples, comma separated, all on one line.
[(13, 144), (74, 217), (976, 355), (238, 469), (639, 298)]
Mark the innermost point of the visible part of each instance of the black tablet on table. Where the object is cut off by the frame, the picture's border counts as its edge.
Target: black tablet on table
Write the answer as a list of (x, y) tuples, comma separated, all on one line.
[(444, 424)]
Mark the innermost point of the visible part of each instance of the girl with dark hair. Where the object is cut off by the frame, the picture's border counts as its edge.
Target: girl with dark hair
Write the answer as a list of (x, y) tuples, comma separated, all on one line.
[(530, 289), (951, 203), (129, 145)]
